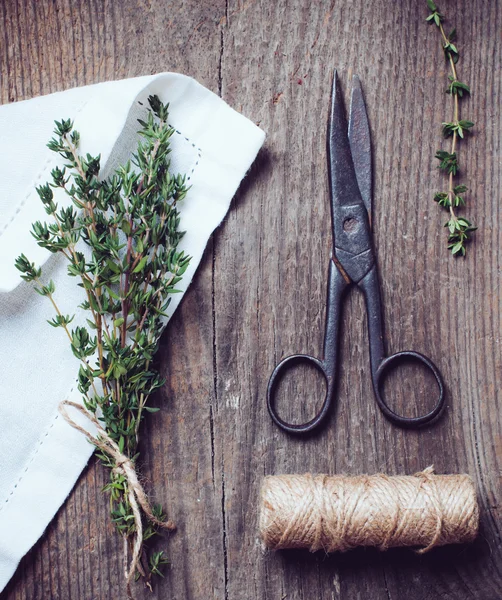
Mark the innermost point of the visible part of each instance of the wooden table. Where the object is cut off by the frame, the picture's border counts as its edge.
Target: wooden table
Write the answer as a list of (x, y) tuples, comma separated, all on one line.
[(259, 292)]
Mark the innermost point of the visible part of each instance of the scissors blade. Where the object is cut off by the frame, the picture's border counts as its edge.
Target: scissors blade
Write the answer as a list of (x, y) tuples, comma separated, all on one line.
[(352, 245), (344, 186), (360, 143)]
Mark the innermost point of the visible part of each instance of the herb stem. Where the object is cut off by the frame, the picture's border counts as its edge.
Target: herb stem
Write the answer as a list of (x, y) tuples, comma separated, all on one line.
[(82, 173), (97, 318), (451, 193), (64, 325), (459, 228)]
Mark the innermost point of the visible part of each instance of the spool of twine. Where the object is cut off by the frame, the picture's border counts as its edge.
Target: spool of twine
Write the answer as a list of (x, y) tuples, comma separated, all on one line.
[(339, 513)]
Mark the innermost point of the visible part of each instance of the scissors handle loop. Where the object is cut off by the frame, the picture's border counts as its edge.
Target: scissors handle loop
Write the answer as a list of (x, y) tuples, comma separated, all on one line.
[(327, 366), (278, 373), (380, 363), (379, 377)]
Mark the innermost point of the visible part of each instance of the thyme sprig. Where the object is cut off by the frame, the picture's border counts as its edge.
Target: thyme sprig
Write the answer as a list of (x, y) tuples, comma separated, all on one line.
[(120, 237), (459, 228)]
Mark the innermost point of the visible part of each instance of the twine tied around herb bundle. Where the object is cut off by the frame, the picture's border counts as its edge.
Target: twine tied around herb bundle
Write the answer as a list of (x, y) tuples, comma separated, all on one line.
[(136, 494), (341, 512)]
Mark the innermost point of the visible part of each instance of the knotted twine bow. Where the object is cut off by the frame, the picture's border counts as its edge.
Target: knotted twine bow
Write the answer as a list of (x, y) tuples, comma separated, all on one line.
[(136, 494)]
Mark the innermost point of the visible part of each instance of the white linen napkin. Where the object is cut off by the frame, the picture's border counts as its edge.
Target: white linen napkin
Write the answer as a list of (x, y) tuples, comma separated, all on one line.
[(41, 456)]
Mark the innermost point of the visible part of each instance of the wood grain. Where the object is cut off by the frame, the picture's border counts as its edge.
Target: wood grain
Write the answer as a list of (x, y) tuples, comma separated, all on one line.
[(260, 291)]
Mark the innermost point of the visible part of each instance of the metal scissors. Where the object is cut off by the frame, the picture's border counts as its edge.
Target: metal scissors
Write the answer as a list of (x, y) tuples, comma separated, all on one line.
[(352, 262)]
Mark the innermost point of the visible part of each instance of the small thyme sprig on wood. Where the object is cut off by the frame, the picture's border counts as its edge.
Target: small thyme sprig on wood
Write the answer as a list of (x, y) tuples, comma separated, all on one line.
[(120, 238), (459, 228)]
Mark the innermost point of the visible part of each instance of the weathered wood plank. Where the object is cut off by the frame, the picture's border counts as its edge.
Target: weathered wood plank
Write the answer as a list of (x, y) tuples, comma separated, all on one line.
[(80, 556), (260, 291), (274, 279)]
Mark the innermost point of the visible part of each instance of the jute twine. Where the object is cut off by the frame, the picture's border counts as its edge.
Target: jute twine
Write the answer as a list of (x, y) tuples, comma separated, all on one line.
[(339, 513), (135, 494)]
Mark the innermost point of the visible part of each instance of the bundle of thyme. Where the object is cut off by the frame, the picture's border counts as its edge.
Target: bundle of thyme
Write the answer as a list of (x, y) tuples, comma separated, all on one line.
[(120, 237), (459, 228)]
